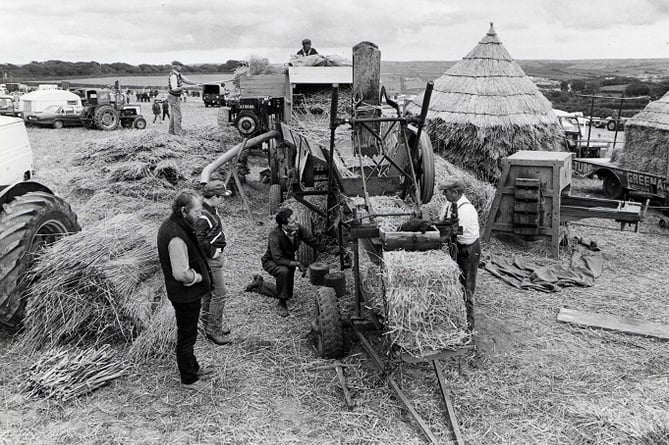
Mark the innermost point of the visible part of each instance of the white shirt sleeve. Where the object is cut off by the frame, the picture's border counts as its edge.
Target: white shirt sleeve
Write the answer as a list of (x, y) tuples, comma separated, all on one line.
[(178, 252), (469, 220)]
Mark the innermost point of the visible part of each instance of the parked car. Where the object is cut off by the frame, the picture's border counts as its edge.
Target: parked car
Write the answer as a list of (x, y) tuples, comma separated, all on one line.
[(57, 116)]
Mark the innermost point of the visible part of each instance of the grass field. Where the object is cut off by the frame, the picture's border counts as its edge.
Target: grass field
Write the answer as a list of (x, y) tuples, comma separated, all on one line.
[(531, 380)]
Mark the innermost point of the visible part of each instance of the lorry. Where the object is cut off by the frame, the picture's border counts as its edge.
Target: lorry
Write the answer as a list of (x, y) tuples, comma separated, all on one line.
[(574, 126), (214, 94), (31, 217)]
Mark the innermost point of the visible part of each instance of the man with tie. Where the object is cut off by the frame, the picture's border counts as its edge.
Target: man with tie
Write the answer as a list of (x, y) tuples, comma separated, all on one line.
[(468, 247)]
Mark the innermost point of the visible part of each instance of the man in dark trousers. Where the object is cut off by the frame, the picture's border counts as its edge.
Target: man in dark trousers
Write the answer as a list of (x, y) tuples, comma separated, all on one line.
[(166, 109), (306, 49), (187, 280), (209, 231), (156, 110), (468, 247), (279, 259)]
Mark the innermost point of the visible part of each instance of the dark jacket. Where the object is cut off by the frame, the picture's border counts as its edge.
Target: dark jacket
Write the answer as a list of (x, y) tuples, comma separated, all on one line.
[(177, 292), (209, 231), (311, 52), (281, 250), (156, 108)]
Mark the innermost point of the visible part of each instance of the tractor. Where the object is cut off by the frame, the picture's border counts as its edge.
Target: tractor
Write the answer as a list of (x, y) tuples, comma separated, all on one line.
[(31, 217), (105, 109)]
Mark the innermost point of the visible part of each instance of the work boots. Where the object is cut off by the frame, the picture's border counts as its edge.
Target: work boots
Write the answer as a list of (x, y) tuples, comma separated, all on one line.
[(255, 285), (282, 308)]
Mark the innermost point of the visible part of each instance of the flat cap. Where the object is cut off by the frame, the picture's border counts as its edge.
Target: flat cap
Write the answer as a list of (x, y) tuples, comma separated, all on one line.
[(452, 183), (177, 63), (215, 188)]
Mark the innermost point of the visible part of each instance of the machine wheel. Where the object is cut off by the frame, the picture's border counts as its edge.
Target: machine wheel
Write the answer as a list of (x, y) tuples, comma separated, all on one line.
[(274, 198), (28, 223), (57, 124), (426, 178), (328, 325), (139, 123), (106, 118), (247, 123), (305, 253), (613, 189), (611, 125)]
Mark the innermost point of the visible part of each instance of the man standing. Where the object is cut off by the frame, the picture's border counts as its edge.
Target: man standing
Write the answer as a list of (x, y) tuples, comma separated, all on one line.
[(468, 247), (279, 259), (306, 49), (210, 236), (156, 110), (187, 280), (175, 85)]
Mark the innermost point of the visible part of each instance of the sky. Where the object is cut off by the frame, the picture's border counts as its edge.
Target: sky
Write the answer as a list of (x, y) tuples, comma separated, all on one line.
[(214, 31)]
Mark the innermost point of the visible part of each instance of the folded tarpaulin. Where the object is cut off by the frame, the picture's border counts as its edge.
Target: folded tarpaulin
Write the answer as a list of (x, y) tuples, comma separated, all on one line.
[(584, 267)]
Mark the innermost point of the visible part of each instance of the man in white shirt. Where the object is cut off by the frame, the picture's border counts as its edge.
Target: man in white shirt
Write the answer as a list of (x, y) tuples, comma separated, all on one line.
[(468, 247), (175, 85)]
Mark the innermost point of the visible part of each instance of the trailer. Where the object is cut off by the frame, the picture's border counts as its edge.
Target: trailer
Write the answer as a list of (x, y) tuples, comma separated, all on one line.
[(387, 153)]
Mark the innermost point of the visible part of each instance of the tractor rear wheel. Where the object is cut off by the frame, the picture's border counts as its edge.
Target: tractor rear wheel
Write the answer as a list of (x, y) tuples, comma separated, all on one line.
[(106, 118), (274, 198), (426, 175), (305, 253), (27, 224), (328, 325)]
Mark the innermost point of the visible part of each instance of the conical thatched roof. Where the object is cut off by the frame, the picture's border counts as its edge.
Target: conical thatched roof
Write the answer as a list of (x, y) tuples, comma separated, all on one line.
[(485, 108), (647, 139)]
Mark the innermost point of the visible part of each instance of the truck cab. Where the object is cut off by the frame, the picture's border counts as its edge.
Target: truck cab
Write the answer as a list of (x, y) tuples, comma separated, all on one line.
[(214, 94)]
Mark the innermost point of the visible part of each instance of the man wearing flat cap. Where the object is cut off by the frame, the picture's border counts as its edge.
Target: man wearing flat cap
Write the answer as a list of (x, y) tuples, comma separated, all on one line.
[(175, 89), (468, 247), (210, 237), (306, 49)]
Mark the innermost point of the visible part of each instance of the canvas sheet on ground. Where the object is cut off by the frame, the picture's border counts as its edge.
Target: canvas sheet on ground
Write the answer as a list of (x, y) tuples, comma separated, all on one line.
[(584, 267)]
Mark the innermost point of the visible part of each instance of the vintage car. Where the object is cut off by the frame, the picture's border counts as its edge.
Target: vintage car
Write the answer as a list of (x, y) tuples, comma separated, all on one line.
[(56, 116)]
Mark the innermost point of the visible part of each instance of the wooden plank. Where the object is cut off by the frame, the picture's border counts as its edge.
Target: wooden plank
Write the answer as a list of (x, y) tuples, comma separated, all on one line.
[(611, 323)]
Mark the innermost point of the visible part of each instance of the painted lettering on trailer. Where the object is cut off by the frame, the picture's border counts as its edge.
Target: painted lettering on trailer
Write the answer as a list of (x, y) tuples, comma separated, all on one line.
[(652, 183)]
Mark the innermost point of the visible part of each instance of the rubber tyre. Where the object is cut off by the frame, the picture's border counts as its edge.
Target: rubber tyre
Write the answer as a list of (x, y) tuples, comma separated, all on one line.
[(106, 118), (247, 123), (611, 125), (139, 123), (613, 189), (305, 253), (275, 195), (328, 325), (57, 125), (22, 221)]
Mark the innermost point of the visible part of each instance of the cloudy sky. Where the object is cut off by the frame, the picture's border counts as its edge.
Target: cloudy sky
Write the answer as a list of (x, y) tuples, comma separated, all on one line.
[(213, 31)]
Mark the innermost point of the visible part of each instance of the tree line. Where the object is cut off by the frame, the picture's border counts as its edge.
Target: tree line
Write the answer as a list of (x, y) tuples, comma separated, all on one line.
[(52, 69)]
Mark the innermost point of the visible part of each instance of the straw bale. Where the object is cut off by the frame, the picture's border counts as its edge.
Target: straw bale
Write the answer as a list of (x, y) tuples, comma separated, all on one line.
[(130, 171), (84, 287), (425, 305), (158, 340)]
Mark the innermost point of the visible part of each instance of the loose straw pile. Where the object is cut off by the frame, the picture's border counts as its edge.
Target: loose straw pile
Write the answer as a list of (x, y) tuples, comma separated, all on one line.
[(425, 305), (65, 374)]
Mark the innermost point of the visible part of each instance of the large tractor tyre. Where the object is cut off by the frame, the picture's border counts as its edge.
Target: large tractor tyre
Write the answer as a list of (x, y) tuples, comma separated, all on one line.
[(328, 325), (426, 178), (275, 195), (27, 224), (613, 189), (57, 125), (611, 126), (139, 123), (106, 118), (247, 123), (305, 253)]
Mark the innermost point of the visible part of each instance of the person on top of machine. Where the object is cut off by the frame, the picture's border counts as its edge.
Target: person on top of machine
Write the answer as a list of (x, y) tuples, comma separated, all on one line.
[(306, 49)]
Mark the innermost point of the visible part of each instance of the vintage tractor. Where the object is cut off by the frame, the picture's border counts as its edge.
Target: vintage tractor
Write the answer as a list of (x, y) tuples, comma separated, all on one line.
[(105, 109), (31, 217)]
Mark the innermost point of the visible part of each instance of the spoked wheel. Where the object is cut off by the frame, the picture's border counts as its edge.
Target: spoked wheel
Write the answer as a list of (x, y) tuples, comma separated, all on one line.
[(328, 325), (305, 253), (29, 223), (274, 198), (426, 173)]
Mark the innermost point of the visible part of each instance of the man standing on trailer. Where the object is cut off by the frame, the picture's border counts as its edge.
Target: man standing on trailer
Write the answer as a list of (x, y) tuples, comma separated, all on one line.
[(468, 246), (306, 49)]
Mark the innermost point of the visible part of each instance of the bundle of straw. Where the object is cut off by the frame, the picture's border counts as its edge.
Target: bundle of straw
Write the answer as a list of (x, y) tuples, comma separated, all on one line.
[(386, 205), (158, 340), (424, 302), (65, 374), (96, 285)]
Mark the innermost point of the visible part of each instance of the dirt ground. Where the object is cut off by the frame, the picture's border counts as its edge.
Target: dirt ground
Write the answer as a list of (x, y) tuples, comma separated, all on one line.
[(531, 380)]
